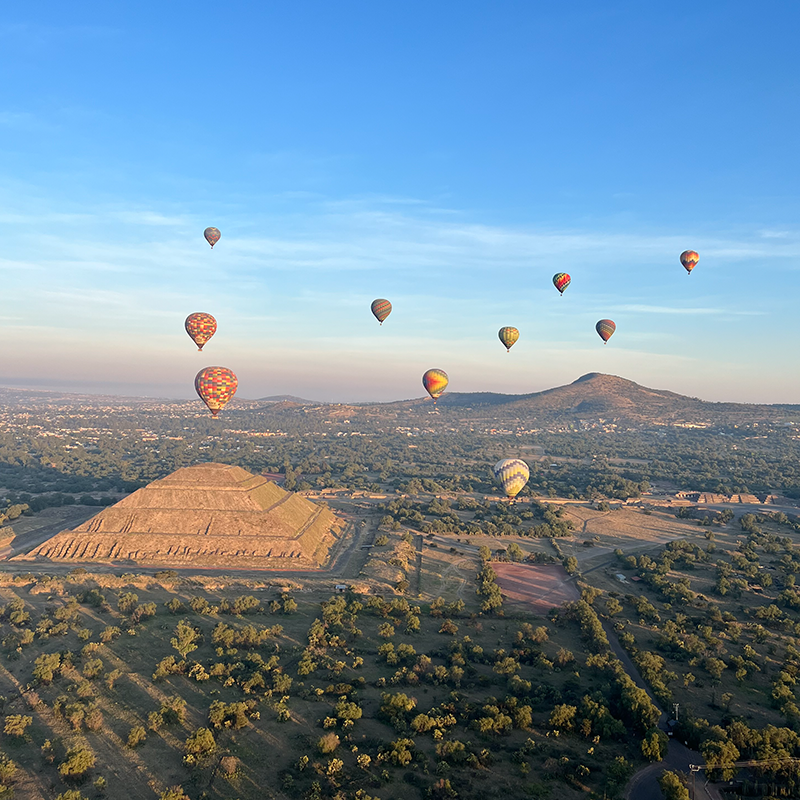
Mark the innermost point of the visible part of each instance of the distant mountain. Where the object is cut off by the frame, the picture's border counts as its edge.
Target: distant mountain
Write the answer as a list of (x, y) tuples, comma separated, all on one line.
[(285, 398), (590, 400)]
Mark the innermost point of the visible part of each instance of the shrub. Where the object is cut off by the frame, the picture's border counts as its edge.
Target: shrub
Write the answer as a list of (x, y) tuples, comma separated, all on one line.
[(328, 743), (136, 736), (78, 762)]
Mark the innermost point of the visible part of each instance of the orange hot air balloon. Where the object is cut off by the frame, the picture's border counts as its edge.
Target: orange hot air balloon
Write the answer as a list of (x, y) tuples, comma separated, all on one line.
[(200, 327), (508, 336), (606, 328), (215, 386), (435, 382), (689, 260), (212, 236), (381, 309), (561, 280)]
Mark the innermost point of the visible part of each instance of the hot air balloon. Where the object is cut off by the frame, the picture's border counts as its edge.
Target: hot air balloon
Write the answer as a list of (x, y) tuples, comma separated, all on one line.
[(200, 327), (689, 260), (435, 382), (512, 474), (381, 309), (216, 386), (606, 329), (508, 336), (212, 236), (561, 280)]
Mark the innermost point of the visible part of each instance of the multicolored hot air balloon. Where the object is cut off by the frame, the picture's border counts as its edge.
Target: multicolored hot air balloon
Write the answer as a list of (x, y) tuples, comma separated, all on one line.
[(200, 327), (512, 474), (381, 309), (561, 280), (606, 328), (435, 382), (508, 336), (216, 386), (212, 236), (689, 260)]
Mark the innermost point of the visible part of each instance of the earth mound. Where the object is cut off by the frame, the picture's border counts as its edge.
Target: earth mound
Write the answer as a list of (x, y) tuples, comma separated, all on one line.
[(209, 515)]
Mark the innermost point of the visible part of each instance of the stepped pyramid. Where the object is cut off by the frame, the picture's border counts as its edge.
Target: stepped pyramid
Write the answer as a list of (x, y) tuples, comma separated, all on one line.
[(209, 515)]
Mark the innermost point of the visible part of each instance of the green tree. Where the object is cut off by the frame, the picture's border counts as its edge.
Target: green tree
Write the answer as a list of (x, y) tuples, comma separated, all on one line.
[(185, 639), (16, 725), (78, 762), (672, 786)]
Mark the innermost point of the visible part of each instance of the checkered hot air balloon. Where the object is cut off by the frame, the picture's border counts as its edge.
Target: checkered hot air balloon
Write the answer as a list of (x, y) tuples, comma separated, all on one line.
[(212, 236), (200, 327), (561, 280), (435, 382), (508, 336), (512, 474), (689, 260), (605, 328), (216, 386), (381, 309)]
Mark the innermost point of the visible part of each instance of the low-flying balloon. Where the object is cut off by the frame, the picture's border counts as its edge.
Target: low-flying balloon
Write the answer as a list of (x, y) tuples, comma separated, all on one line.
[(508, 336), (200, 327), (561, 280), (212, 236), (605, 328), (381, 309), (435, 382), (512, 474), (215, 386), (689, 260)]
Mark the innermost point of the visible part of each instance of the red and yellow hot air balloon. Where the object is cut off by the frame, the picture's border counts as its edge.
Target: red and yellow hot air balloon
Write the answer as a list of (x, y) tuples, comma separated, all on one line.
[(508, 336), (561, 280), (381, 309), (212, 236), (605, 328), (435, 382), (200, 327), (216, 386), (689, 259)]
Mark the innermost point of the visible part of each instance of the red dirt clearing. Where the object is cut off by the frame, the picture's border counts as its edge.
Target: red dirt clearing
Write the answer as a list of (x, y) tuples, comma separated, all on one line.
[(541, 587)]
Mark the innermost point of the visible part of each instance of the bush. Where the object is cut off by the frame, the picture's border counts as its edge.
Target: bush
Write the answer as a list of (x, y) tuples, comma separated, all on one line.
[(328, 743), (16, 725), (136, 736), (78, 762)]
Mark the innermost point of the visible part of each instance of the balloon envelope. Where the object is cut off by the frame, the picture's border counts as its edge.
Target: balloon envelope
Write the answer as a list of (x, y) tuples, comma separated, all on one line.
[(512, 474), (212, 235), (606, 328), (508, 336), (381, 309), (216, 386), (689, 259), (435, 382), (200, 327), (561, 280)]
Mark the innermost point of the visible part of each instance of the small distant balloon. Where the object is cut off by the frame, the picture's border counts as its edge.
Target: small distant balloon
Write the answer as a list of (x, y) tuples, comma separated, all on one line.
[(689, 260), (212, 236), (200, 327), (381, 309), (435, 382), (508, 336), (215, 386), (561, 280), (512, 474), (605, 328)]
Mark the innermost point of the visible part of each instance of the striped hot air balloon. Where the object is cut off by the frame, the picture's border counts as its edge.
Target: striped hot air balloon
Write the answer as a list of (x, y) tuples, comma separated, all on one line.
[(561, 280), (200, 327), (435, 382), (605, 328), (508, 336), (689, 260), (381, 309), (215, 386), (512, 474), (212, 236)]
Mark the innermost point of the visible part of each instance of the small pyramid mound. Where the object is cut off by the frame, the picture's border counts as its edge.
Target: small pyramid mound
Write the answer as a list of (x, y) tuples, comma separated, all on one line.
[(210, 515)]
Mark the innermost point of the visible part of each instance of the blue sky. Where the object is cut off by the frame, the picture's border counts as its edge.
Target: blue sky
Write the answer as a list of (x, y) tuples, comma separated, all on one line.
[(448, 156)]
